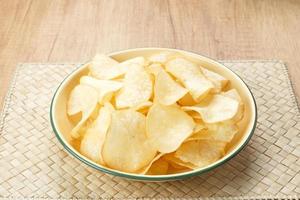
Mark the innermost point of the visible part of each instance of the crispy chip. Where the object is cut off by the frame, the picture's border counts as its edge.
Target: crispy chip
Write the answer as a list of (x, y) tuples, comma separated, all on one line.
[(137, 88), (104, 67), (220, 109), (126, 147), (200, 152), (222, 131), (143, 107), (177, 163), (161, 58), (105, 88), (159, 167), (166, 90), (219, 81), (235, 95), (145, 170), (82, 99), (155, 68), (92, 142), (126, 65), (191, 77), (187, 100), (168, 126)]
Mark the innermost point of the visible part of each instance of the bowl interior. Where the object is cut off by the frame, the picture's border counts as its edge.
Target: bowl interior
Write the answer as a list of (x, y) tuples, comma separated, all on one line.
[(62, 125)]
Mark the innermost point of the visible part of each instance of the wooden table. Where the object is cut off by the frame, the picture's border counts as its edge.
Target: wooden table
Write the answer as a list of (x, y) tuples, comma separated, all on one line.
[(75, 30)]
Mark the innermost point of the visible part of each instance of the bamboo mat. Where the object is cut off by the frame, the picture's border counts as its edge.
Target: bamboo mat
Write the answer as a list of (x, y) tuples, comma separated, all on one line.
[(33, 164)]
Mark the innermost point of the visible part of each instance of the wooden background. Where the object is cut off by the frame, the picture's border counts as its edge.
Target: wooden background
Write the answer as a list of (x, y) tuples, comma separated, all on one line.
[(74, 30)]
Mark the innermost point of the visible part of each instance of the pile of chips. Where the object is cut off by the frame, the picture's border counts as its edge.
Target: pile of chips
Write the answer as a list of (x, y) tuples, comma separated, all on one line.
[(160, 114)]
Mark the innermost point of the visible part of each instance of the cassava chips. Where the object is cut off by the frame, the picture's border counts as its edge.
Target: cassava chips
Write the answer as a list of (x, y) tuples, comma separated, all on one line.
[(154, 115)]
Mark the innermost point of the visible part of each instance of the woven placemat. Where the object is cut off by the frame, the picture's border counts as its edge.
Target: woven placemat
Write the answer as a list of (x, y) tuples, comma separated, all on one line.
[(34, 164)]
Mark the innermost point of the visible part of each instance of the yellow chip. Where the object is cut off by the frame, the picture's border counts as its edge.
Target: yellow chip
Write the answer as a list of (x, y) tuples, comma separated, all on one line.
[(125, 65), (126, 147), (187, 100), (104, 67), (161, 57), (222, 131), (219, 109), (155, 68), (82, 99), (168, 126), (235, 95), (200, 152), (92, 142), (190, 75), (166, 90), (143, 107), (177, 163), (219, 81), (137, 88), (105, 88), (145, 169), (159, 167)]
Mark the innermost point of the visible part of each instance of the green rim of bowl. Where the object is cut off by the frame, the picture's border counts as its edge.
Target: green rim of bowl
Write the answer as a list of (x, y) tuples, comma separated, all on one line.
[(178, 176)]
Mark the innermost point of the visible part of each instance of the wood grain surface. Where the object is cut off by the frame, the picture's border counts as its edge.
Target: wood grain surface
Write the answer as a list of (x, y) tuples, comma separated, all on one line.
[(74, 30)]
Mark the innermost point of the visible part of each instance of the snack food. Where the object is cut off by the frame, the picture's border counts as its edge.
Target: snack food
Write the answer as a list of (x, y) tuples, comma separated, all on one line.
[(153, 115)]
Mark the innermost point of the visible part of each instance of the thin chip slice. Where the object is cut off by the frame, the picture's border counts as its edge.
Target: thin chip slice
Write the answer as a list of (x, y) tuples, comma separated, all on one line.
[(126, 147), (222, 131), (177, 163), (166, 90), (155, 68), (105, 88), (126, 65), (104, 67), (93, 140), (82, 99), (200, 152), (191, 77), (219, 81), (137, 88), (143, 107), (159, 167), (187, 100), (168, 126), (235, 95), (161, 57), (144, 170), (220, 109)]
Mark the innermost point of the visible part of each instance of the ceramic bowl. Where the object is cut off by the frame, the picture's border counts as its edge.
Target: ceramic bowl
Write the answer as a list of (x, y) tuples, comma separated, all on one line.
[(62, 126)]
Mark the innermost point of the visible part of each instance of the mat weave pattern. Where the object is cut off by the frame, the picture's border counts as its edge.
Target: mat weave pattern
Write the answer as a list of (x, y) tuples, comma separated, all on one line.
[(34, 164)]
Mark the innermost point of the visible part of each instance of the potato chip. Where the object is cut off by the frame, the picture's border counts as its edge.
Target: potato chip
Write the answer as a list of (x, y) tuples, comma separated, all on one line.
[(82, 99), (219, 81), (235, 95), (200, 152), (220, 109), (105, 88), (222, 131), (104, 67), (92, 142), (155, 68), (187, 100), (166, 90), (168, 126), (126, 147), (125, 65), (143, 107), (144, 170), (177, 163), (137, 88), (159, 167), (191, 77), (162, 57)]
